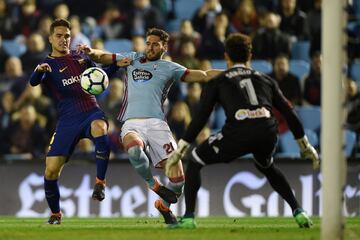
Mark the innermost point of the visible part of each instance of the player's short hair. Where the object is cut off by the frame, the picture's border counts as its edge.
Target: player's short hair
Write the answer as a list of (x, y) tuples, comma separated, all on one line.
[(60, 22), (238, 47), (164, 36)]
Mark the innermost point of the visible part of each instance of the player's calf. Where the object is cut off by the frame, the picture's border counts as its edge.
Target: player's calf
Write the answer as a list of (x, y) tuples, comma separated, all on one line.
[(163, 192)]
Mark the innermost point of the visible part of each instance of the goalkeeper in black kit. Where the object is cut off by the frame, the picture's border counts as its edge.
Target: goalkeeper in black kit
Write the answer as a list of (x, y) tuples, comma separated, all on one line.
[(247, 97)]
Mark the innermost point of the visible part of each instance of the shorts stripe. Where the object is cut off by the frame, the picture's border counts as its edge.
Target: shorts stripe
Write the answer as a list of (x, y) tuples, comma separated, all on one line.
[(266, 166), (197, 158)]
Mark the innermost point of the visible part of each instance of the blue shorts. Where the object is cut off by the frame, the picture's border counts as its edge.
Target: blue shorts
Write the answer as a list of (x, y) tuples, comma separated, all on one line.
[(67, 135)]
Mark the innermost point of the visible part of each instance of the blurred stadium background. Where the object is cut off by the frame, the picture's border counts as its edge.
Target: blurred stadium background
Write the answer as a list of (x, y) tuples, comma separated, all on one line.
[(287, 42)]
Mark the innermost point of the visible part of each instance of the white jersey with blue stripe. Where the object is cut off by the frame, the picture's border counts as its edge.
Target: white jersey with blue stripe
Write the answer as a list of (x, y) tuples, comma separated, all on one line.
[(146, 86)]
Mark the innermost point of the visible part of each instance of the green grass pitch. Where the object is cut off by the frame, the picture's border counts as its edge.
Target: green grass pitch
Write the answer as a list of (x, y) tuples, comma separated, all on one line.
[(152, 228)]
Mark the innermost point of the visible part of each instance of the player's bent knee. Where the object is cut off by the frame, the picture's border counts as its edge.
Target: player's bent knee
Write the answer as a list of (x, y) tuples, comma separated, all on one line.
[(134, 153), (52, 173), (263, 167), (98, 128)]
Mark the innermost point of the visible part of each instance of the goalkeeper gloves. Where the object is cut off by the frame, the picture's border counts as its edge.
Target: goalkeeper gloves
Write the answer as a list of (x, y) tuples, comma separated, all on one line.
[(176, 155), (308, 152)]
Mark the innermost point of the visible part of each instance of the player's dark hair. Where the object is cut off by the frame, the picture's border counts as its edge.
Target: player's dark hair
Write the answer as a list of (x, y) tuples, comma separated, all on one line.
[(60, 22), (164, 36), (238, 47)]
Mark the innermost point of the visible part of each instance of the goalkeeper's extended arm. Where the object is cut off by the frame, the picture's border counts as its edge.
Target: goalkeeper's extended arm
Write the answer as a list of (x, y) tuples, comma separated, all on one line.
[(175, 156), (307, 151)]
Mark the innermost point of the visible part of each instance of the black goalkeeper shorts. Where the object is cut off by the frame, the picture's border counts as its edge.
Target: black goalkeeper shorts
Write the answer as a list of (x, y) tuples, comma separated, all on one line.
[(224, 149)]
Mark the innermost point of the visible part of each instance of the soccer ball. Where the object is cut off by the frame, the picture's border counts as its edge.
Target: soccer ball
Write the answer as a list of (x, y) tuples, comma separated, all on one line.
[(94, 80)]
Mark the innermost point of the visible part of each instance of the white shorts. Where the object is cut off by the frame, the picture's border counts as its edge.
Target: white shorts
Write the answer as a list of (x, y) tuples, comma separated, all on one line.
[(156, 135)]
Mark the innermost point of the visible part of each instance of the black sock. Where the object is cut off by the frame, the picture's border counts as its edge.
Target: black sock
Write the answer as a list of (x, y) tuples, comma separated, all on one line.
[(279, 183), (192, 186)]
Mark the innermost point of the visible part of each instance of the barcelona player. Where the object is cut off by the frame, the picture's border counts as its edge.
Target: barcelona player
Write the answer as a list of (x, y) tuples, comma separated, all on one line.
[(79, 115)]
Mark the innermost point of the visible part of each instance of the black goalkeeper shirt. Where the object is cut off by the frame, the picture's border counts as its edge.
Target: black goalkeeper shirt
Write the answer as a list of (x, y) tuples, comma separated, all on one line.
[(247, 97)]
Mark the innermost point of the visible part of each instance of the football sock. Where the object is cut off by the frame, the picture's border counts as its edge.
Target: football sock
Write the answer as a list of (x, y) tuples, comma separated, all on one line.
[(175, 184), (102, 152), (52, 194), (192, 186), (279, 183), (141, 163)]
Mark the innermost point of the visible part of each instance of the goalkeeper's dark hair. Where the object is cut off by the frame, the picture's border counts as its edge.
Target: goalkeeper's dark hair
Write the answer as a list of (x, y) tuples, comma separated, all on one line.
[(164, 36), (238, 47), (60, 22)]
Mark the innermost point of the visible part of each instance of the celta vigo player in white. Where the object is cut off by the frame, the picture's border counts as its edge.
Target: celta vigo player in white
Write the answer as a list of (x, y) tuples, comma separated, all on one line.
[(144, 133)]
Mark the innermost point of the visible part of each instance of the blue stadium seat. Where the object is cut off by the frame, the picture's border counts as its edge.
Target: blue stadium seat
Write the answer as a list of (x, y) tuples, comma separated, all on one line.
[(261, 66), (173, 26), (14, 48), (350, 141), (355, 72), (300, 50), (299, 68), (218, 64), (289, 147), (118, 45), (310, 116), (185, 9)]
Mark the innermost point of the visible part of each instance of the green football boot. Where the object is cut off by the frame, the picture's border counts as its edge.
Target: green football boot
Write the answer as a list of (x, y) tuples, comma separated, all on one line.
[(302, 219), (184, 223)]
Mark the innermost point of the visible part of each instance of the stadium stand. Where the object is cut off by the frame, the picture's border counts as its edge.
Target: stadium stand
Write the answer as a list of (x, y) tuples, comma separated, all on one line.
[(299, 68), (261, 66), (14, 48), (118, 45), (289, 147), (310, 117), (300, 50)]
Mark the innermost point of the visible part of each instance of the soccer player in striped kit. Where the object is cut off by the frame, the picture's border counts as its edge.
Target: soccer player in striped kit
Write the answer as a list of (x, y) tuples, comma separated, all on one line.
[(79, 115), (145, 134)]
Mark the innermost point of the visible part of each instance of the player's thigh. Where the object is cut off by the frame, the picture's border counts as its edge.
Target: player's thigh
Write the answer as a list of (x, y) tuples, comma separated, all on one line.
[(132, 139), (132, 134), (161, 144), (54, 165), (218, 149), (266, 146), (63, 141)]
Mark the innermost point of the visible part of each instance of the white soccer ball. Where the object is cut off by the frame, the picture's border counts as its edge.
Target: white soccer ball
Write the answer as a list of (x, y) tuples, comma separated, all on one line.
[(94, 80)]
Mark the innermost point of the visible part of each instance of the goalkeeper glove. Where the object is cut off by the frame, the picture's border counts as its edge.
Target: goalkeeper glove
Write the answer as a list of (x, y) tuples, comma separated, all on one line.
[(308, 152), (176, 155)]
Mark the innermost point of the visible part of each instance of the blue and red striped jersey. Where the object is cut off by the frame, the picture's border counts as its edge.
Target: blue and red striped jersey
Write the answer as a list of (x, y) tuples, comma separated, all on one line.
[(63, 84)]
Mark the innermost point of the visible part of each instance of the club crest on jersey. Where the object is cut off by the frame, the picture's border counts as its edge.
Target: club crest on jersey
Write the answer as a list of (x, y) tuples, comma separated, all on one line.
[(71, 80), (140, 75)]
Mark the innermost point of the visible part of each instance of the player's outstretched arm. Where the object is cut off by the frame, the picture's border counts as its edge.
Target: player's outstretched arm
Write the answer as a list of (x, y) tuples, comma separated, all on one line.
[(96, 55), (37, 75), (201, 76), (176, 155), (307, 151)]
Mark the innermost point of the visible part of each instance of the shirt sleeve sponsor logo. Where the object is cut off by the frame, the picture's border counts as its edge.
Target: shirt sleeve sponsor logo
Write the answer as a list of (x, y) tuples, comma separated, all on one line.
[(242, 114), (72, 80), (140, 75)]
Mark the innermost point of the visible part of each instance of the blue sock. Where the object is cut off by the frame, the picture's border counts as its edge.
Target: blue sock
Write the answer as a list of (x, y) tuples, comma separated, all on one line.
[(141, 163), (52, 194), (102, 152)]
